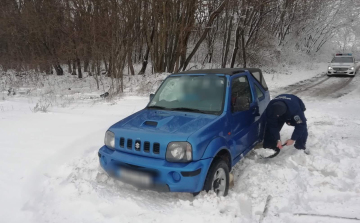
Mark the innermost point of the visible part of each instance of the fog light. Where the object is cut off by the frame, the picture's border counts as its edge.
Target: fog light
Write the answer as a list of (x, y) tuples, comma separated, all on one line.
[(176, 176)]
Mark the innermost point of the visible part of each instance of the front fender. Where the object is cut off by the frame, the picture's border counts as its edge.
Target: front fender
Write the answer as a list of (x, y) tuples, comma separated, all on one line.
[(217, 144)]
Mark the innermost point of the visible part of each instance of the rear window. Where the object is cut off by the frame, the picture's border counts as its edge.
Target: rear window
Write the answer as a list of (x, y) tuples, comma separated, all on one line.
[(342, 60), (259, 77)]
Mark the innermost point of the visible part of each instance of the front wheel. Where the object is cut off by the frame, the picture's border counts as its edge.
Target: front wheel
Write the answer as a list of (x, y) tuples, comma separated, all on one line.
[(217, 178)]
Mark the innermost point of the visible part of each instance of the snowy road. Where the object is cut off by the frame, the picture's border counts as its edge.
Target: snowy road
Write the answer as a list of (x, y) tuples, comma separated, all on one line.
[(322, 86), (50, 171)]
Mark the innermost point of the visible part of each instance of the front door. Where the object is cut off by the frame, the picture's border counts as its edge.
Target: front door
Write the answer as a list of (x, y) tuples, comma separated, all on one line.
[(244, 114)]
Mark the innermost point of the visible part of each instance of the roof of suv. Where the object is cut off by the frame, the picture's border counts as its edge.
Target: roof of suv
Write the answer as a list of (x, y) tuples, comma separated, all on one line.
[(226, 71)]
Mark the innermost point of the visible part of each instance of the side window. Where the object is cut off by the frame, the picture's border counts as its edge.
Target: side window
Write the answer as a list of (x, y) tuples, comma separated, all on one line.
[(240, 94), (259, 77), (259, 93)]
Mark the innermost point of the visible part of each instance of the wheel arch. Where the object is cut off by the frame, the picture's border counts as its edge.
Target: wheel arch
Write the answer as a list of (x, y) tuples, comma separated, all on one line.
[(218, 148), (225, 155)]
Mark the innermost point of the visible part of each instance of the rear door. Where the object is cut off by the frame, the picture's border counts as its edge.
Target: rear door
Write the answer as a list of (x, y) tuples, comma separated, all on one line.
[(243, 113)]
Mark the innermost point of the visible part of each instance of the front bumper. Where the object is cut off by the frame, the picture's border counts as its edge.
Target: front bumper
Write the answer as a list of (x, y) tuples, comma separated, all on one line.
[(167, 176), (347, 72)]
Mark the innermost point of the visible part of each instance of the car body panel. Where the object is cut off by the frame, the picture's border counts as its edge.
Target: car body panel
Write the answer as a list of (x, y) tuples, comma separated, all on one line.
[(208, 134), (342, 68)]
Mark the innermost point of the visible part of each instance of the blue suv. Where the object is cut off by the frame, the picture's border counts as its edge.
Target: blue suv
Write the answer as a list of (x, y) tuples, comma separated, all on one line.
[(196, 127)]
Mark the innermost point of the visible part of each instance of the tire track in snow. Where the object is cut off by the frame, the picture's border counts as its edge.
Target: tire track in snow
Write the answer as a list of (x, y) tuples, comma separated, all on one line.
[(307, 88), (322, 88), (297, 86), (319, 86), (339, 85)]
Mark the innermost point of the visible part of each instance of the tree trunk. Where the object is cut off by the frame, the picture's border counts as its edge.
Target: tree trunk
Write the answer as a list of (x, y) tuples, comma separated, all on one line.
[(227, 44), (145, 61), (146, 56), (69, 67), (106, 66), (87, 59), (79, 68), (243, 48), (59, 71), (74, 68), (236, 46), (130, 65), (86, 65)]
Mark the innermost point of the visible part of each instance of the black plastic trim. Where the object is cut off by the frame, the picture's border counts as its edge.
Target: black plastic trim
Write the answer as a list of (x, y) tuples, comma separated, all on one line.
[(151, 123), (129, 143), (122, 142), (156, 148), (191, 174), (147, 146)]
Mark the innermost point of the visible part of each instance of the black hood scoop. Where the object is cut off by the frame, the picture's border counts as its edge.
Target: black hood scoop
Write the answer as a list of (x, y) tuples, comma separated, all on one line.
[(151, 123)]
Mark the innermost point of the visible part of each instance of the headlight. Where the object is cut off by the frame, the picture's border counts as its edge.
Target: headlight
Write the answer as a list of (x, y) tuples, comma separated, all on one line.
[(352, 68), (330, 68), (179, 152), (109, 139)]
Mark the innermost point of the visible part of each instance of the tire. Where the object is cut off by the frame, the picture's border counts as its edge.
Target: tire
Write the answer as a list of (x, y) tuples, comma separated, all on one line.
[(219, 169)]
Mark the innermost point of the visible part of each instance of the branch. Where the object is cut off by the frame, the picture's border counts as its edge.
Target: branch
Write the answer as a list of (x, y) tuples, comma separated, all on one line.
[(203, 36)]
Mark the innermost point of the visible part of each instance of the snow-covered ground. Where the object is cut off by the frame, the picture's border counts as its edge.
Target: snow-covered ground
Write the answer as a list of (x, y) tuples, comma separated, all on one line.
[(49, 169)]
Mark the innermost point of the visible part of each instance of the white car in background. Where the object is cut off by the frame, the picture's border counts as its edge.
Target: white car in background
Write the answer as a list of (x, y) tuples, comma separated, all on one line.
[(342, 64)]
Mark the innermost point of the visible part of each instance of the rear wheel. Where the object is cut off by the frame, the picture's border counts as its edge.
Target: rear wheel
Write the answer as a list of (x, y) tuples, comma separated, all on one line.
[(217, 178)]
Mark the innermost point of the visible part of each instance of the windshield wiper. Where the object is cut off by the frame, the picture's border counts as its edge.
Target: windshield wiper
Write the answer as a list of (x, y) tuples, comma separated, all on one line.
[(188, 109), (157, 107)]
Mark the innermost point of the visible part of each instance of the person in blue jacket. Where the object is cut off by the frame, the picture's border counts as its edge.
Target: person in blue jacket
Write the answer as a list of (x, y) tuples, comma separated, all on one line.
[(289, 109)]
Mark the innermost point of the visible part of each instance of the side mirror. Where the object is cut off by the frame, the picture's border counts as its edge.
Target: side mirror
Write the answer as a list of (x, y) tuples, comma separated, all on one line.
[(151, 96), (242, 104)]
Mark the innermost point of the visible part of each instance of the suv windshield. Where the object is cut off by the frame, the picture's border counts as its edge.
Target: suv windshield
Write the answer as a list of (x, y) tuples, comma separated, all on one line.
[(342, 60), (202, 94)]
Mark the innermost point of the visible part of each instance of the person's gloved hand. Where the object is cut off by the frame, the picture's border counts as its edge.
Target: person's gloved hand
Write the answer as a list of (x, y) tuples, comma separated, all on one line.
[(279, 144), (289, 142)]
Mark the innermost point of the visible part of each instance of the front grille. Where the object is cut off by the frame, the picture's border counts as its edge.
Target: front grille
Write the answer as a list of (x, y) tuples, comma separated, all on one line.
[(340, 69), (129, 143), (156, 148), (139, 145), (122, 142), (147, 147)]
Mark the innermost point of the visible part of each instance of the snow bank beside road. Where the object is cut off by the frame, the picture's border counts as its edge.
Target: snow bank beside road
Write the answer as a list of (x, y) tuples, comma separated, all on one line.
[(64, 90)]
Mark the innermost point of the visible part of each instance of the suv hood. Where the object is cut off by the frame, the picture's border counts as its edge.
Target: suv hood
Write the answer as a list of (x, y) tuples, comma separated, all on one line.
[(148, 132), (342, 64), (168, 122)]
